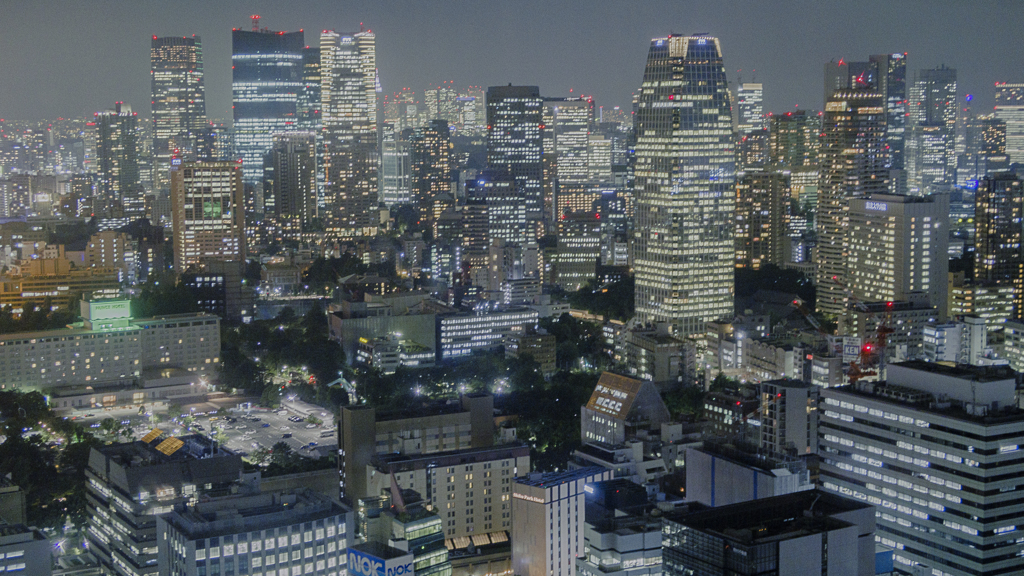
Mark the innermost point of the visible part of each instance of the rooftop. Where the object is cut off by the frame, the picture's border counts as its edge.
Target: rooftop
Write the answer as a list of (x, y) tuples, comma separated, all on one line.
[(382, 551), (556, 478), (242, 513), (768, 519)]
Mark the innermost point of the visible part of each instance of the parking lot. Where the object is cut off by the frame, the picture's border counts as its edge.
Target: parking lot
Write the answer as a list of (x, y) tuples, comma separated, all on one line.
[(246, 430)]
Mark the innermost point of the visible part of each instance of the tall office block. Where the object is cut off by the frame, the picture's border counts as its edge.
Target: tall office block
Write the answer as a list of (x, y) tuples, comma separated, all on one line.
[(936, 450), (762, 218), (209, 221), (430, 160), (931, 152), (289, 173), (570, 126), (984, 150), (117, 156), (514, 141), (348, 75), (998, 214), (892, 84), (266, 83), (179, 101), (1010, 109), (395, 168), (749, 102), (548, 520), (441, 102), (579, 249), (898, 246), (852, 166), (685, 174)]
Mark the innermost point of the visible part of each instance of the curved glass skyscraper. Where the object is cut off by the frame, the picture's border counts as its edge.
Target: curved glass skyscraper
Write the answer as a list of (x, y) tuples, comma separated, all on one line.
[(685, 179)]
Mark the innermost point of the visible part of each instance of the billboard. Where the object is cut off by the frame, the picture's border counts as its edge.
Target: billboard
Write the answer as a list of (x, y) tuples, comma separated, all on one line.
[(364, 564)]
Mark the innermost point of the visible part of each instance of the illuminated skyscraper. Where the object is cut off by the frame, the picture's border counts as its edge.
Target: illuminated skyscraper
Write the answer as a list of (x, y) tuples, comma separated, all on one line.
[(348, 74), (117, 156), (570, 125), (266, 85), (209, 221), (751, 113), (289, 180), (441, 102), (179, 102), (430, 150), (931, 153), (762, 218), (853, 163), (1010, 109), (998, 214), (685, 177), (892, 84), (514, 141), (395, 168)]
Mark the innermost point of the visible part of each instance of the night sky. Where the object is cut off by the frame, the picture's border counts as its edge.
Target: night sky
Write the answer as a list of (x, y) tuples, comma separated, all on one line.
[(72, 58)]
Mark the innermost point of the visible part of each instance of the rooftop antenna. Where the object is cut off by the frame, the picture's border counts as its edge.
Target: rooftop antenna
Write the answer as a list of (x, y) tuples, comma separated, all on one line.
[(255, 22)]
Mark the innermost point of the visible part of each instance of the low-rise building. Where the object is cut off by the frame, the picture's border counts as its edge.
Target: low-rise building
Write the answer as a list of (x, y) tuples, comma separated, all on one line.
[(297, 531), (725, 472), (537, 344), (621, 535), (467, 332), (24, 551), (811, 532), (619, 407)]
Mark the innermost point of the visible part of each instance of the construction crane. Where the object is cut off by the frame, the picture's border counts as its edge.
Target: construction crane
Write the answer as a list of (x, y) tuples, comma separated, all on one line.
[(799, 305), (872, 352)]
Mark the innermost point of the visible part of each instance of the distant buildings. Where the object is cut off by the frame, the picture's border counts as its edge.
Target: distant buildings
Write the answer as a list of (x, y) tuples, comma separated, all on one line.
[(999, 208), (930, 152), (208, 214), (119, 187), (179, 102), (1010, 109), (514, 141), (266, 81)]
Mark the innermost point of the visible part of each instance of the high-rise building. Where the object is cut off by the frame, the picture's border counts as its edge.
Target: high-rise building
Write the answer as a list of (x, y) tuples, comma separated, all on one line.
[(548, 520), (749, 99), (430, 154), (579, 249), (179, 102), (852, 166), (931, 152), (898, 246), (395, 168), (209, 221), (266, 83), (289, 180), (348, 74), (570, 126), (935, 449), (762, 218), (683, 243), (514, 141), (998, 213), (1010, 109), (441, 102), (117, 156), (891, 71)]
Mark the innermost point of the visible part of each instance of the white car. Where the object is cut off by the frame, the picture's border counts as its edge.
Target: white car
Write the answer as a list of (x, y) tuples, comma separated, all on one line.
[(285, 428)]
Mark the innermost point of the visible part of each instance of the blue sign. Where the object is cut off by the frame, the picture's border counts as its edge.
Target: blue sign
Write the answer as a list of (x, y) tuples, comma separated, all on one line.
[(362, 564)]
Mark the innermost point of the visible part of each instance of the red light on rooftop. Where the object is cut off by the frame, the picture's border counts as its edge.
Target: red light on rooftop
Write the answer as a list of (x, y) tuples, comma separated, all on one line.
[(738, 403)]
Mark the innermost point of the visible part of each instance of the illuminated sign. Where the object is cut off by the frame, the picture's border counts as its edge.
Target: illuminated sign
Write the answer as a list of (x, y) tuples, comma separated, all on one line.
[(527, 497), (175, 161), (363, 564), (878, 206)]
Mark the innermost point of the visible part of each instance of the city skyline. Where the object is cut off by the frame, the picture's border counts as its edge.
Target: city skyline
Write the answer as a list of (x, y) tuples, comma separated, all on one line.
[(494, 44)]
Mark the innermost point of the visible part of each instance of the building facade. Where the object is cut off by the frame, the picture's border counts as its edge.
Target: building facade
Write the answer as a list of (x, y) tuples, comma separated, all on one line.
[(685, 172), (208, 213)]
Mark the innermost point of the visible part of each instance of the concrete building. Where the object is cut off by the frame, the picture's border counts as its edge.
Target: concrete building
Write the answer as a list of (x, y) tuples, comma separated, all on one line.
[(548, 520), (538, 345), (898, 247), (651, 353), (253, 533), (944, 470), (129, 484), (38, 281), (464, 333), (109, 347), (795, 534), (727, 471), (620, 536), (907, 320), (789, 417), (962, 342), (579, 249), (470, 488), (441, 428), (24, 551), (992, 301), (619, 407), (208, 213), (762, 218)]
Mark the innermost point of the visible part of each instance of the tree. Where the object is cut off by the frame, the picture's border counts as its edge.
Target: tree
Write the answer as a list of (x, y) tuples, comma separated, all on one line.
[(311, 419)]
